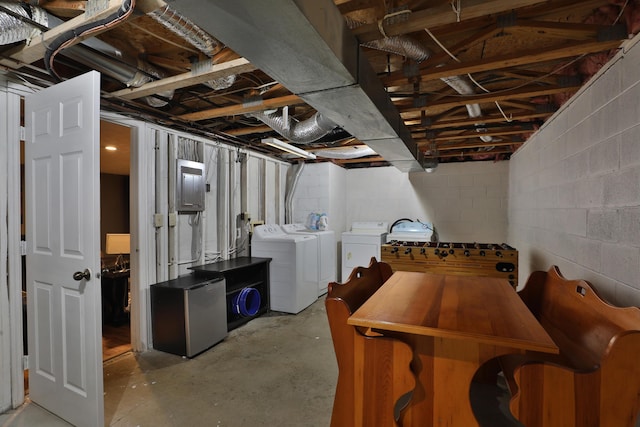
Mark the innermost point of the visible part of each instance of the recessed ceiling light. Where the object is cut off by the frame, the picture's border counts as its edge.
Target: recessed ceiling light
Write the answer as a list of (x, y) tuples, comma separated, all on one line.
[(111, 148)]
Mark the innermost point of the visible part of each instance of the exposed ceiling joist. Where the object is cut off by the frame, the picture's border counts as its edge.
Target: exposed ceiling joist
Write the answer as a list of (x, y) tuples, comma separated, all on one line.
[(506, 61), (439, 16), (527, 56), (215, 71), (521, 93), (234, 110)]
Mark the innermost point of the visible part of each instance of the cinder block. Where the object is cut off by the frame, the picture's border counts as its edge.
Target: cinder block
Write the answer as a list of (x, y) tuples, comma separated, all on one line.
[(587, 252), (461, 180), (628, 106), (603, 224), (590, 193), (622, 189), (630, 65), (629, 146), (629, 230), (627, 295), (605, 88), (605, 122), (568, 221), (547, 197), (605, 157), (621, 262)]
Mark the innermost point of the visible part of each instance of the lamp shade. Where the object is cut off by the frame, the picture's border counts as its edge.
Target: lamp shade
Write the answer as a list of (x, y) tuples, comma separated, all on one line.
[(118, 244)]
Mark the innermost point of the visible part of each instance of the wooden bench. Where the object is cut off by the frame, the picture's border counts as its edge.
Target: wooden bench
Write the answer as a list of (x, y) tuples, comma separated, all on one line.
[(595, 380), (373, 371)]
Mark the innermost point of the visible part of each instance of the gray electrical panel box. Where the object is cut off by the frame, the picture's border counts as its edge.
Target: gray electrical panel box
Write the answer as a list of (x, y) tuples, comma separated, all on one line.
[(190, 186)]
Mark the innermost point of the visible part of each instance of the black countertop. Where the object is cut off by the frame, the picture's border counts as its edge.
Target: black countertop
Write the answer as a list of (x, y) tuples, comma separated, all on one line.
[(189, 281), (229, 265)]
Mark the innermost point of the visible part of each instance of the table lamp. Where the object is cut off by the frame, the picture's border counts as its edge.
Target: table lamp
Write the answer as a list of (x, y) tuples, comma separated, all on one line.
[(120, 244)]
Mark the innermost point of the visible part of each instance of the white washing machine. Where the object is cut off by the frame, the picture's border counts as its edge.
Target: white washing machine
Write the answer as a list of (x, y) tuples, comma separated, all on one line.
[(293, 271), (327, 268), (364, 241)]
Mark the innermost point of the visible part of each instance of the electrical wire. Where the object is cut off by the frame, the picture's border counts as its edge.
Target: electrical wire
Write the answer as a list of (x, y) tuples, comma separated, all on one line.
[(67, 38), (624, 6)]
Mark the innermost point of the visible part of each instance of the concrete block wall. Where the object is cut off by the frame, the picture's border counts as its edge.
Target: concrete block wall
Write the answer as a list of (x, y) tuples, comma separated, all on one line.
[(574, 187), (320, 189), (467, 202)]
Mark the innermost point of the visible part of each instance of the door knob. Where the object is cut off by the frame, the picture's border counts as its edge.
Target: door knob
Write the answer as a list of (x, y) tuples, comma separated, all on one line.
[(79, 275)]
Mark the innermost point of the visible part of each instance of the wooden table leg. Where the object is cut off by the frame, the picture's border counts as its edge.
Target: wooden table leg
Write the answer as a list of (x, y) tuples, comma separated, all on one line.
[(445, 369)]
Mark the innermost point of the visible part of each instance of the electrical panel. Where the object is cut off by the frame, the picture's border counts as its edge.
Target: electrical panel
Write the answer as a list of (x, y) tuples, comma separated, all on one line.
[(190, 186)]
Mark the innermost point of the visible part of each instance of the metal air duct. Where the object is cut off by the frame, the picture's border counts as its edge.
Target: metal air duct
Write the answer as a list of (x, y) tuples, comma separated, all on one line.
[(14, 30), (306, 46), (185, 28), (344, 153), (303, 132)]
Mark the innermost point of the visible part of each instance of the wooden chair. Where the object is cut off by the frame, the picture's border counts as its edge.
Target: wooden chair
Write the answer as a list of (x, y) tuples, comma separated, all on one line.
[(595, 380), (374, 371)]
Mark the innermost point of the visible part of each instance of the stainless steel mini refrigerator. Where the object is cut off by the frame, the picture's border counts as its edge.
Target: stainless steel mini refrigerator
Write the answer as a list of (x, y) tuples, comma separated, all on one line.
[(189, 314)]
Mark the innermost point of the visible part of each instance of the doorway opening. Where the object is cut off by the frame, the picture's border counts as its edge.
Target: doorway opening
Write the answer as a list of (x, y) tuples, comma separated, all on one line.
[(115, 166)]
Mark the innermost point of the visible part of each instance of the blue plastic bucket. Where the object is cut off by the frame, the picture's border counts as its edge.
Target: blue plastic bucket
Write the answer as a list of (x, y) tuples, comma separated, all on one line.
[(246, 302)]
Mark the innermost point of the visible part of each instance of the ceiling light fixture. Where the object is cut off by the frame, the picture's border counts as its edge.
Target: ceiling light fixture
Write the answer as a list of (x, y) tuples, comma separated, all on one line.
[(276, 143)]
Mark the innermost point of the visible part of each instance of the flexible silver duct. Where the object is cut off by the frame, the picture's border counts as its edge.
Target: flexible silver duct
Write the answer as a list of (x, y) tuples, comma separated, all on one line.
[(185, 28), (101, 56), (405, 46), (463, 87), (12, 29), (303, 132), (401, 45), (343, 153)]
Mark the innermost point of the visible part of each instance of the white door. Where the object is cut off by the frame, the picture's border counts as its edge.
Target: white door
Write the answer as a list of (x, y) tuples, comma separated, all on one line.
[(62, 173)]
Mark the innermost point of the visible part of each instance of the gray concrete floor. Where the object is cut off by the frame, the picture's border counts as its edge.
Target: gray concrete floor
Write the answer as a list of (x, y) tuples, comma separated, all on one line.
[(277, 370)]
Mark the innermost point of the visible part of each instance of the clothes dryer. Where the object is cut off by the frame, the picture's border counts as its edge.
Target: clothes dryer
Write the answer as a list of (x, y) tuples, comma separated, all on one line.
[(293, 272), (364, 241), (327, 253)]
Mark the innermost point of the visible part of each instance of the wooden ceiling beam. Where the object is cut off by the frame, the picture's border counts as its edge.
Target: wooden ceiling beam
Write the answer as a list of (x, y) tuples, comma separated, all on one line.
[(561, 30), (414, 125), (479, 144), (472, 135), (361, 160), (248, 130), (462, 153), (533, 56), (526, 92), (439, 16), (235, 110), (478, 37), (236, 66), (522, 105)]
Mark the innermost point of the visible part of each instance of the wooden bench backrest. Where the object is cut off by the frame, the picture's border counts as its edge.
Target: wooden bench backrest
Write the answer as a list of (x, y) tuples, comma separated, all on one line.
[(577, 319), (365, 400), (343, 299), (361, 284)]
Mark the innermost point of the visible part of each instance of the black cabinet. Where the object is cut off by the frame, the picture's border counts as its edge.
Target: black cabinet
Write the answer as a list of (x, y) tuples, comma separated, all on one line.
[(188, 314), (247, 286)]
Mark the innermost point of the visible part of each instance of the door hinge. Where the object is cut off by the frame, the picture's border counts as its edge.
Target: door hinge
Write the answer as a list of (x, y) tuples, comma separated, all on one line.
[(25, 362), (23, 133), (23, 247)]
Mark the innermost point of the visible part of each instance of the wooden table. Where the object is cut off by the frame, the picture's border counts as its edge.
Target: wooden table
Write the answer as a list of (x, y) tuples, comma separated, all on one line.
[(454, 325)]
